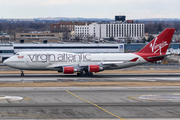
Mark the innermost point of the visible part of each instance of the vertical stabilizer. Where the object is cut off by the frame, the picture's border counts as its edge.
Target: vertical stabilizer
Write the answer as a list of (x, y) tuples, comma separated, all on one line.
[(159, 45)]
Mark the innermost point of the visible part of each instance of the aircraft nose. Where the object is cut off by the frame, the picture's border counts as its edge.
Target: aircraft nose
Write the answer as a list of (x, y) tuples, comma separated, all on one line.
[(5, 62)]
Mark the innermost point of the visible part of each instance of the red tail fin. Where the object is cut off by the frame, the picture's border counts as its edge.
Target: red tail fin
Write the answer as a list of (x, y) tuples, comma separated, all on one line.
[(160, 43)]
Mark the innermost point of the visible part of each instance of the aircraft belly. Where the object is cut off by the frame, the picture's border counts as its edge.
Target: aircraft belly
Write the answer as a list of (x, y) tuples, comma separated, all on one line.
[(38, 65)]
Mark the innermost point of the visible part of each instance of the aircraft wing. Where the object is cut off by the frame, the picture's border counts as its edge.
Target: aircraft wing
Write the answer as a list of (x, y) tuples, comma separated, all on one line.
[(59, 65), (103, 64)]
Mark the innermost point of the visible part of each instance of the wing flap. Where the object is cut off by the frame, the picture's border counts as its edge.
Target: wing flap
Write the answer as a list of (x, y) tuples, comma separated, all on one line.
[(57, 65)]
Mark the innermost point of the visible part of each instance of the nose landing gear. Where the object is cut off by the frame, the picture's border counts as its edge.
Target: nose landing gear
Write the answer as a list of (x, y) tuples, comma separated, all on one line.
[(22, 73)]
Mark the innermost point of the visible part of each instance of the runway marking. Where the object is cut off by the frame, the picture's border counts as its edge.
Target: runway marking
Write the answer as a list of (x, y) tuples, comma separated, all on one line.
[(26, 99), (94, 105), (157, 97), (11, 98), (131, 97)]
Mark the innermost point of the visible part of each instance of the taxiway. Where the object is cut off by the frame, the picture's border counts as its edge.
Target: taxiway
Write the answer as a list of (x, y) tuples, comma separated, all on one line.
[(149, 102), (96, 78), (91, 103)]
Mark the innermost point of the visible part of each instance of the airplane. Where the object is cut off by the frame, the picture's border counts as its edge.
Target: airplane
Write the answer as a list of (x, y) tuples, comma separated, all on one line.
[(86, 63)]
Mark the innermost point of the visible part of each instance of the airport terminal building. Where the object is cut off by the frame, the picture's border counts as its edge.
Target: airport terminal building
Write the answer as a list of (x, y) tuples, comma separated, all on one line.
[(118, 29), (7, 50), (115, 30)]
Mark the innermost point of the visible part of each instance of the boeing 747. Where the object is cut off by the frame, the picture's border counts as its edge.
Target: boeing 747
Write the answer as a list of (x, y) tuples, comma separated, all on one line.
[(85, 64)]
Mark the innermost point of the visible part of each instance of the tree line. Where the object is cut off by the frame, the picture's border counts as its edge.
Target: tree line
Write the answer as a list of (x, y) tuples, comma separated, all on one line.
[(23, 27), (156, 27)]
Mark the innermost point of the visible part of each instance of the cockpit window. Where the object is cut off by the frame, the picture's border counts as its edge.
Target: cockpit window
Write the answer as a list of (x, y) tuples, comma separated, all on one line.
[(17, 54)]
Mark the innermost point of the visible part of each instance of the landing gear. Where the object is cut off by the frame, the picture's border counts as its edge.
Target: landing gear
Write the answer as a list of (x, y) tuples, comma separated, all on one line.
[(85, 74), (78, 74), (88, 74), (22, 73)]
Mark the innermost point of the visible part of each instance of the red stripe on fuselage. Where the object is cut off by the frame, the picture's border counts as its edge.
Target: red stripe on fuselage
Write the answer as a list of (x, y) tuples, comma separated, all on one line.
[(134, 60)]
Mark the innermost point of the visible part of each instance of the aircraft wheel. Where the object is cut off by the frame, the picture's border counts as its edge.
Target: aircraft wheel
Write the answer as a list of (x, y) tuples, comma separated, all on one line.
[(86, 74), (22, 74), (91, 74), (78, 74), (82, 74)]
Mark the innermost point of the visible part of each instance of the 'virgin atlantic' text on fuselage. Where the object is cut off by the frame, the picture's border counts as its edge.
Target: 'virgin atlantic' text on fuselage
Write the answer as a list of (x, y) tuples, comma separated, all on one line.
[(64, 57)]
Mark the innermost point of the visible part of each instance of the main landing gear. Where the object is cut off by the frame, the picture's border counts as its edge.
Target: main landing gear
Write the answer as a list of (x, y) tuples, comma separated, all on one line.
[(85, 74), (22, 73)]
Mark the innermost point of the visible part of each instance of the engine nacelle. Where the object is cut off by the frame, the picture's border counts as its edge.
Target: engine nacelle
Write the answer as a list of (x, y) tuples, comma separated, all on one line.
[(68, 70), (94, 68)]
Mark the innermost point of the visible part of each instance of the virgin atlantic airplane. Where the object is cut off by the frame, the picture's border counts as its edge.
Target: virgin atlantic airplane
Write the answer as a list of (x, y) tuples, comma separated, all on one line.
[(85, 64)]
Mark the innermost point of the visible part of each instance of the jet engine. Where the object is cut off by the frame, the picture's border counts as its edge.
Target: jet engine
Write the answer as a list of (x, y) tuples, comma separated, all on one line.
[(68, 70), (94, 68)]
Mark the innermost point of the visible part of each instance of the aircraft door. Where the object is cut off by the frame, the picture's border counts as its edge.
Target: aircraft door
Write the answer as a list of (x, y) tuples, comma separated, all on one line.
[(103, 60), (50, 62), (79, 58), (27, 61)]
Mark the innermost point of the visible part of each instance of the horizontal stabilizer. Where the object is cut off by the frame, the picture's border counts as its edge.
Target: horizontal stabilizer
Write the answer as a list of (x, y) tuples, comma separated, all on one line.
[(110, 63), (160, 56)]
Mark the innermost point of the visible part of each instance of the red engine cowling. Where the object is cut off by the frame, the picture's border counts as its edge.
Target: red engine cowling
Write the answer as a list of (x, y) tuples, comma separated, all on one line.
[(68, 70), (93, 68)]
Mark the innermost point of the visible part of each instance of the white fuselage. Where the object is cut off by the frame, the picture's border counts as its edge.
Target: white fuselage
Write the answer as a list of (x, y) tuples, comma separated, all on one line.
[(87, 63), (50, 60)]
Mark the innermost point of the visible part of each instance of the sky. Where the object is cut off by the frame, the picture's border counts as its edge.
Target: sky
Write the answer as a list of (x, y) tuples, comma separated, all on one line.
[(133, 9)]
